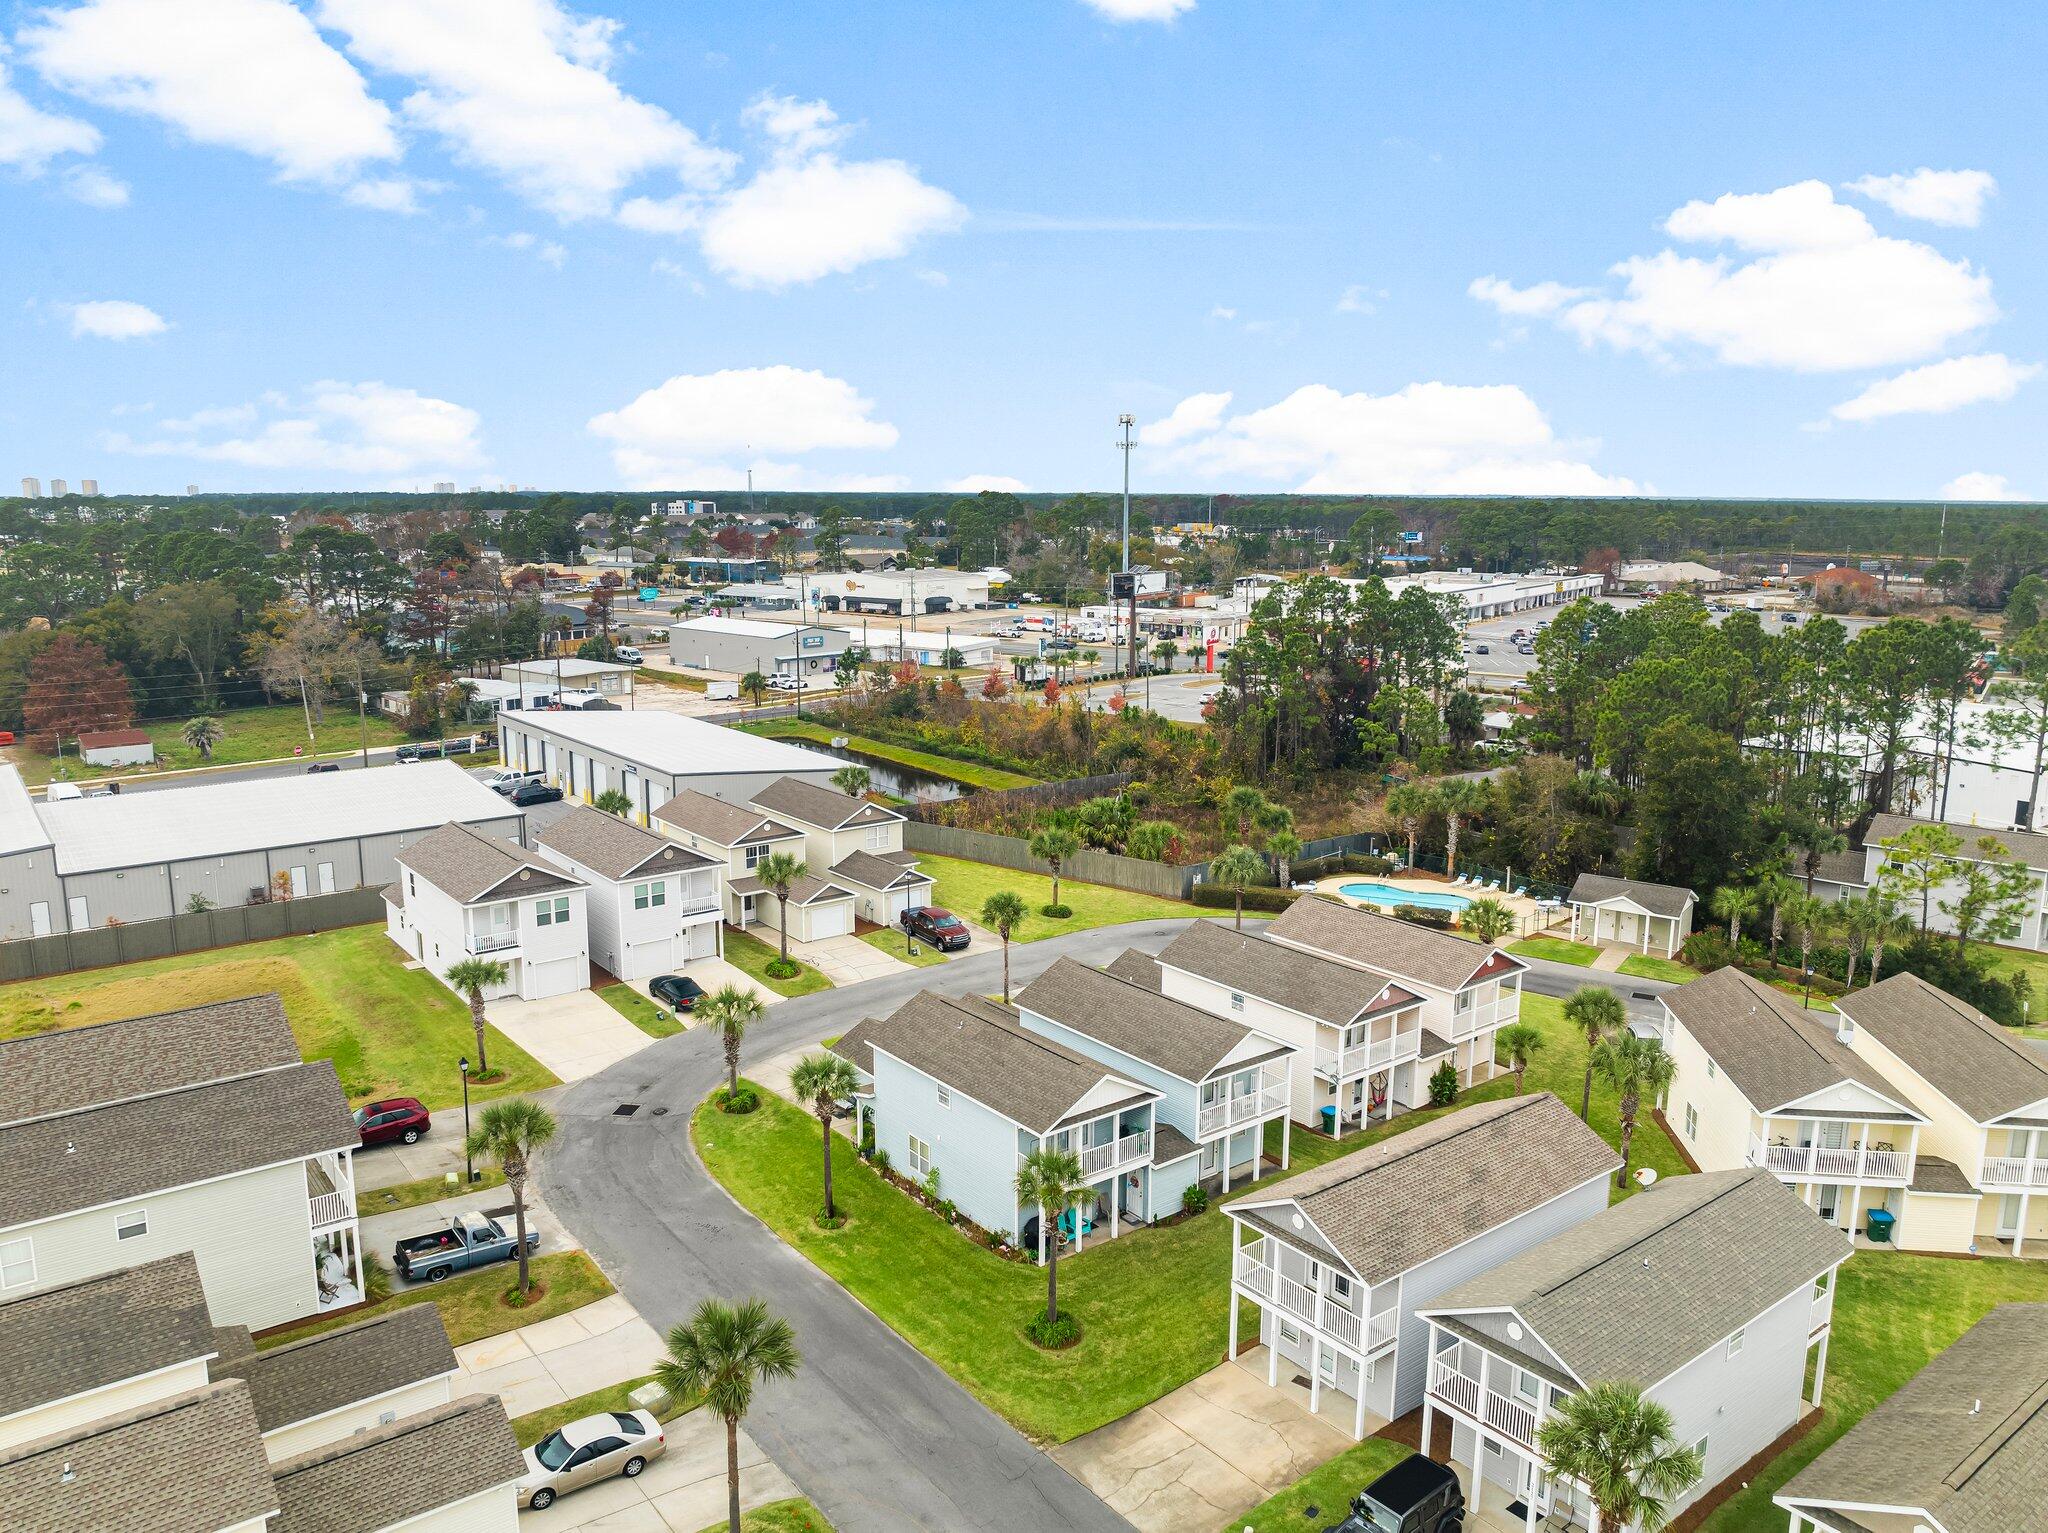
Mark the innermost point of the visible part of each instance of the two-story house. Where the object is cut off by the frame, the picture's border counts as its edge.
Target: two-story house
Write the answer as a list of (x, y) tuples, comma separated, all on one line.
[(1759, 1081), (198, 1130), (1856, 870), (852, 843), (1985, 1097), (742, 838), (1363, 1051), (1220, 1082), (1341, 1258), (651, 905), (123, 1406), (1709, 1294), (1962, 1447), (958, 1087), (461, 894)]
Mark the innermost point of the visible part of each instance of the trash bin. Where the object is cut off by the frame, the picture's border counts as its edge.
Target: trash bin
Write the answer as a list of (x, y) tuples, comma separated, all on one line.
[(1330, 1121), (1879, 1227)]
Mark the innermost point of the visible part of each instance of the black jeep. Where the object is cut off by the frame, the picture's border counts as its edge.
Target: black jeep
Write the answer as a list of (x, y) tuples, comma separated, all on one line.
[(1418, 1495)]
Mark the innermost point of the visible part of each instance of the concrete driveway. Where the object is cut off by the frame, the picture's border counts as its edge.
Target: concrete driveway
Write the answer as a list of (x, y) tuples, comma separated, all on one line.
[(683, 1491), (554, 1360), (715, 974), (574, 1035), (1206, 1453), (382, 1232), (386, 1165), (844, 960)]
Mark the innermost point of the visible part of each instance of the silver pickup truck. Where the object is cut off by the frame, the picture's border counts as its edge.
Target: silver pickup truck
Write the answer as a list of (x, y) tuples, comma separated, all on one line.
[(468, 1240)]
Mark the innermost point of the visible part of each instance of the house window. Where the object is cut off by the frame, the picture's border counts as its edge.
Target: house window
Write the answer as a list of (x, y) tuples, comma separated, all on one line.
[(554, 912), (1340, 1288), (17, 1262), (756, 855), (648, 896), (1700, 1448), (920, 1157), (945, 1096), (878, 838), (1237, 1000), (1710, 1069), (1288, 1333), (1692, 1121), (412, 885), (1735, 1343), (131, 1224)]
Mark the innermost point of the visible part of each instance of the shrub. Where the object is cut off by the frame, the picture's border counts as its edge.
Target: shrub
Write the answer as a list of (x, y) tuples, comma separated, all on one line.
[(1056, 912), (1707, 951), (1194, 1200), (738, 1103), (1061, 1331), (1217, 897), (880, 1160), (1421, 915), (1443, 1085), (778, 968)]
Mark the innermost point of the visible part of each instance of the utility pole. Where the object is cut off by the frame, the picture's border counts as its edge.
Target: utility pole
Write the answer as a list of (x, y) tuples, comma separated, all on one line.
[(362, 707), (1941, 542), (1128, 422)]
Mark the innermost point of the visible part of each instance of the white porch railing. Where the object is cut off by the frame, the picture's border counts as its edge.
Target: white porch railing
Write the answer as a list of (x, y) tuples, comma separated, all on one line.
[(1362, 1334), (493, 942), (1099, 1158), (1851, 1162), (1215, 1118), (2015, 1171), (1499, 1012), (1363, 1058), (1823, 1312), (330, 1190), (1510, 1418)]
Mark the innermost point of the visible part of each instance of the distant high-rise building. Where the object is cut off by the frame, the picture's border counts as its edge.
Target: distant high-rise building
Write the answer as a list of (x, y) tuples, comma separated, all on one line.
[(59, 489), (32, 488), (444, 486), (88, 487), (191, 489)]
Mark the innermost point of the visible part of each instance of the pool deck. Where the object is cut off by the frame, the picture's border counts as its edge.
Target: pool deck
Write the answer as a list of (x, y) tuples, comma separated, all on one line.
[(1525, 910)]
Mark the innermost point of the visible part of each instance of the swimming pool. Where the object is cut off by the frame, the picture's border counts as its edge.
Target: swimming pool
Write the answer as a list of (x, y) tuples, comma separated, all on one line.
[(1387, 894)]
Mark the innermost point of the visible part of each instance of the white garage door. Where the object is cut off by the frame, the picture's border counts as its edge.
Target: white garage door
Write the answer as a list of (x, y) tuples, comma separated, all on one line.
[(833, 920), (557, 976), (644, 960)]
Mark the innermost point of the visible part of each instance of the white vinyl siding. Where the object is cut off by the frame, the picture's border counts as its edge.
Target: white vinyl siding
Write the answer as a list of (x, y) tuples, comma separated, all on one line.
[(552, 912), (920, 1156), (132, 1224), (649, 896)]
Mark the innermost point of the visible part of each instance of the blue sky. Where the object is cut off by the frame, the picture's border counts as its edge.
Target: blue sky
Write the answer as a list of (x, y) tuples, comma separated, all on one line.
[(1729, 250)]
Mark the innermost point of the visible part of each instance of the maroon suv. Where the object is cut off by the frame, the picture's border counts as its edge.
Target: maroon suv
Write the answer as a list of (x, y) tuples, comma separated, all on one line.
[(941, 928), (398, 1120)]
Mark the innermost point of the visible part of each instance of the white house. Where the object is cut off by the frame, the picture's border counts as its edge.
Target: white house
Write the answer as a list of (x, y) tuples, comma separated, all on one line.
[(1708, 1293), (852, 843), (461, 894), (1340, 1258), (741, 838), (1962, 1447), (197, 1131), (1758, 1081), (124, 1406), (653, 904), (1855, 871), (117, 747), (1652, 918)]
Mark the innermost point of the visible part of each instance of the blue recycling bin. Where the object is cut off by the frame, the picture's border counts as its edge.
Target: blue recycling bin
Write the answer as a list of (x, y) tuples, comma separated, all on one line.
[(1878, 1226), (1330, 1121)]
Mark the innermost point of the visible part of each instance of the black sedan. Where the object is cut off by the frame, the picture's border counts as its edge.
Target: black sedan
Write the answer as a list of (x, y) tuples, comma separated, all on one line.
[(679, 991), (535, 793)]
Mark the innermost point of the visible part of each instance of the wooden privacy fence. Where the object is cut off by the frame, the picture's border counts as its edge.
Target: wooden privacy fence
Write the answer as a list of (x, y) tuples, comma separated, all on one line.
[(188, 932), (1087, 866)]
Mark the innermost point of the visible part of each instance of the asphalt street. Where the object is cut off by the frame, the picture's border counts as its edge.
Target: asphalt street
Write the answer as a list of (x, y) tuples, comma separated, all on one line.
[(876, 1434)]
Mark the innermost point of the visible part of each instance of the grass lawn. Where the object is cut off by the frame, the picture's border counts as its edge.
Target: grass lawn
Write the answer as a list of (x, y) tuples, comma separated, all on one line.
[(1328, 1489), (253, 734), (891, 941), (752, 956), (973, 773), (649, 675), (795, 1515), (2013, 960), (473, 1305), (1557, 950), (961, 887), (1643, 966), (391, 1031), (629, 1003), (535, 1425), (428, 1189), (1893, 1314)]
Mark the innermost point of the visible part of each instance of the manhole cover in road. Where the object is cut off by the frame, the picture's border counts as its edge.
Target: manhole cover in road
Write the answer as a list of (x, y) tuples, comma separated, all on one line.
[(625, 1109), (661, 1112)]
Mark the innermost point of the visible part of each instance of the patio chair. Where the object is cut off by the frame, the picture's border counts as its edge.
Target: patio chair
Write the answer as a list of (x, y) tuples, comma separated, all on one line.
[(1494, 884), (1520, 890)]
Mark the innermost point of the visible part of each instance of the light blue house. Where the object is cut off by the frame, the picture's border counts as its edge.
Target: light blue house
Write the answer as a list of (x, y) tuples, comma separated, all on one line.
[(1219, 1082)]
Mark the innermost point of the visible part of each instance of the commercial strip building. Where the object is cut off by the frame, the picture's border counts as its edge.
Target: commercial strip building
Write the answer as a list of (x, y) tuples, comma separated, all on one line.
[(650, 757), (1477, 597), (736, 646)]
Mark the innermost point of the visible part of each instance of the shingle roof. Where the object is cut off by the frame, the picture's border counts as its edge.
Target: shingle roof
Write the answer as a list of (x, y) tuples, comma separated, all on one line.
[(795, 799), (1955, 1048), (976, 1047), (1835, 867), (1395, 1204), (407, 1469), (1658, 899), (192, 1463), (74, 1067), (1644, 1287), (1301, 981), (809, 890), (127, 1150), (100, 1330), (2031, 847), (1964, 1441), (857, 1044), (1401, 948), (1773, 1051), (1180, 1039), (614, 848), (1932, 1174), (466, 865), (1135, 967), (1169, 1144), (716, 820), (877, 872), (318, 1374)]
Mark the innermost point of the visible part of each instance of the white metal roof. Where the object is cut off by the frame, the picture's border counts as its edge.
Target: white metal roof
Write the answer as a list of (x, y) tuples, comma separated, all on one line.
[(20, 830), (567, 665), (739, 627), (673, 745), (216, 819)]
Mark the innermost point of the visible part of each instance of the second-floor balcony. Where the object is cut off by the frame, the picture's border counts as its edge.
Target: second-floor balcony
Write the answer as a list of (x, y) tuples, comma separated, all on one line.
[(1131, 1149), (2015, 1171), (1363, 1334), (1243, 1107), (1365, 1058), (1454, 1381), (492, 941), (1846, 1163), (1479, 1017), (330, 1190)]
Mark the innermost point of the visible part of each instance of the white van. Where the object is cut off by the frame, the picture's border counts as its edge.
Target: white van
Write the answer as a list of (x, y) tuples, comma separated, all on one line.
[(629, 654)]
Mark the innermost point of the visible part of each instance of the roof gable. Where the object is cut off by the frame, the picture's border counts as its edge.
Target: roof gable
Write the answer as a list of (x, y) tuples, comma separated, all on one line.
[(722, 823), (99, 1331), (1170, 1035), (827, 808), (1670, 900), (1412, 954), (469, 866), (1772, 1050), (1295, 978), (1951, 1045), (616, 849)]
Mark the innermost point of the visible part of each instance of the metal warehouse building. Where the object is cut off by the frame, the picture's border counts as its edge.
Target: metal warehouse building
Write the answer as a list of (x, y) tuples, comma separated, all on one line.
[(739, 645), (651, 757), (82, 863)]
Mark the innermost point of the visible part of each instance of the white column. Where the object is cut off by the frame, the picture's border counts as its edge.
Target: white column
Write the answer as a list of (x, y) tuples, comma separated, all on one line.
[(1855, 1197), (1223, 1156), (1428, 1409), (1820, 1365), (1286, 1131), (1315, 1373), (355, 1242), (1529, 1505), (1044, 1233), (2019, 1233), (1116, 1200), (1231, 1350), (1258, 1148), (1358, 1408), (1272, 1353)]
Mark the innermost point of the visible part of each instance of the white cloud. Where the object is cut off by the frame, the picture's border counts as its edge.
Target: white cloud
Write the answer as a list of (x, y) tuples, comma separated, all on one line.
[(94, 187), (1219, 312), (974, 484), (115, 319), (30, 138), (1360, 299), (1952, 197), (1824, 293), (1939, 387), (348, 428), (1979, 486), (546, 251), (662, 215), (680, 430), (1140, 10), (1426, 438), (931, 276), (391, 194), (522, 89), (251, 75)]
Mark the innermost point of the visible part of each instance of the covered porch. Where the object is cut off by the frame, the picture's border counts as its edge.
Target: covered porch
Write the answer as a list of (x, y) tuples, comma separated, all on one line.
[(1320, 1328), (1115, 1152), (1623, 923)]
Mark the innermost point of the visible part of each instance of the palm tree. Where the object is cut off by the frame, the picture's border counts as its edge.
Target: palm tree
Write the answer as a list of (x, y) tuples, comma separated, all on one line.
[(203, 734), (1488, 920), (1521, 1042), (1283, 846), (1885, 924), (1051, 1179), (731, 1010), (721, 1356), (778, 871), (1806, 916), (1002, 913), (853, 781), (1621, 1448), (1054, 845), (1461, 799), (1597, 1012), (1733, 903), (1237, 869), (1773, 889), (754, 684), (473, 976), (1409, 805), (1241, 806), (823, 1079), (1819, 845), (510, 1133), (613, 802), (1634, 1067)]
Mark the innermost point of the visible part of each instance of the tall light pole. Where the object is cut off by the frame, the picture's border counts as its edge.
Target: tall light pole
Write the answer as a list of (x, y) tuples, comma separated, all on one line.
[(1128, 423)]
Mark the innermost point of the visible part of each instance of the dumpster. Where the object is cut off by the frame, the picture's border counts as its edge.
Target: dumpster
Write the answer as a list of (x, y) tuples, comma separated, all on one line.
[(1879, 1226), (1330, 1121)]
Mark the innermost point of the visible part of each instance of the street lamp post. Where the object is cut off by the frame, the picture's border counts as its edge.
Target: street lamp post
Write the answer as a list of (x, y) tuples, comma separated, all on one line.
[(468, 1166)]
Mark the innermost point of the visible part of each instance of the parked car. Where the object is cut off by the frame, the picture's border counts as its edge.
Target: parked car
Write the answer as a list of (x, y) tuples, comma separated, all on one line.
[(503, 779), (1418, 1495), (468, 1240), (6, 737), (941, 928), (586, 1451), (535, 793), (678, 991), (400, 1120), (629, 654), (426, 750), (323, 766)]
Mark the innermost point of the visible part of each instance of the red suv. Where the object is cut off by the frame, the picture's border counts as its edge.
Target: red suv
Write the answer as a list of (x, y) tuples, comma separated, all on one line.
[(941, 928), (399, 1119)]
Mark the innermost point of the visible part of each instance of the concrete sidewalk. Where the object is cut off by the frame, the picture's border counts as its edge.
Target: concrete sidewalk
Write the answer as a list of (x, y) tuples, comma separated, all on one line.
[(683, 1491), (554, 1360)]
